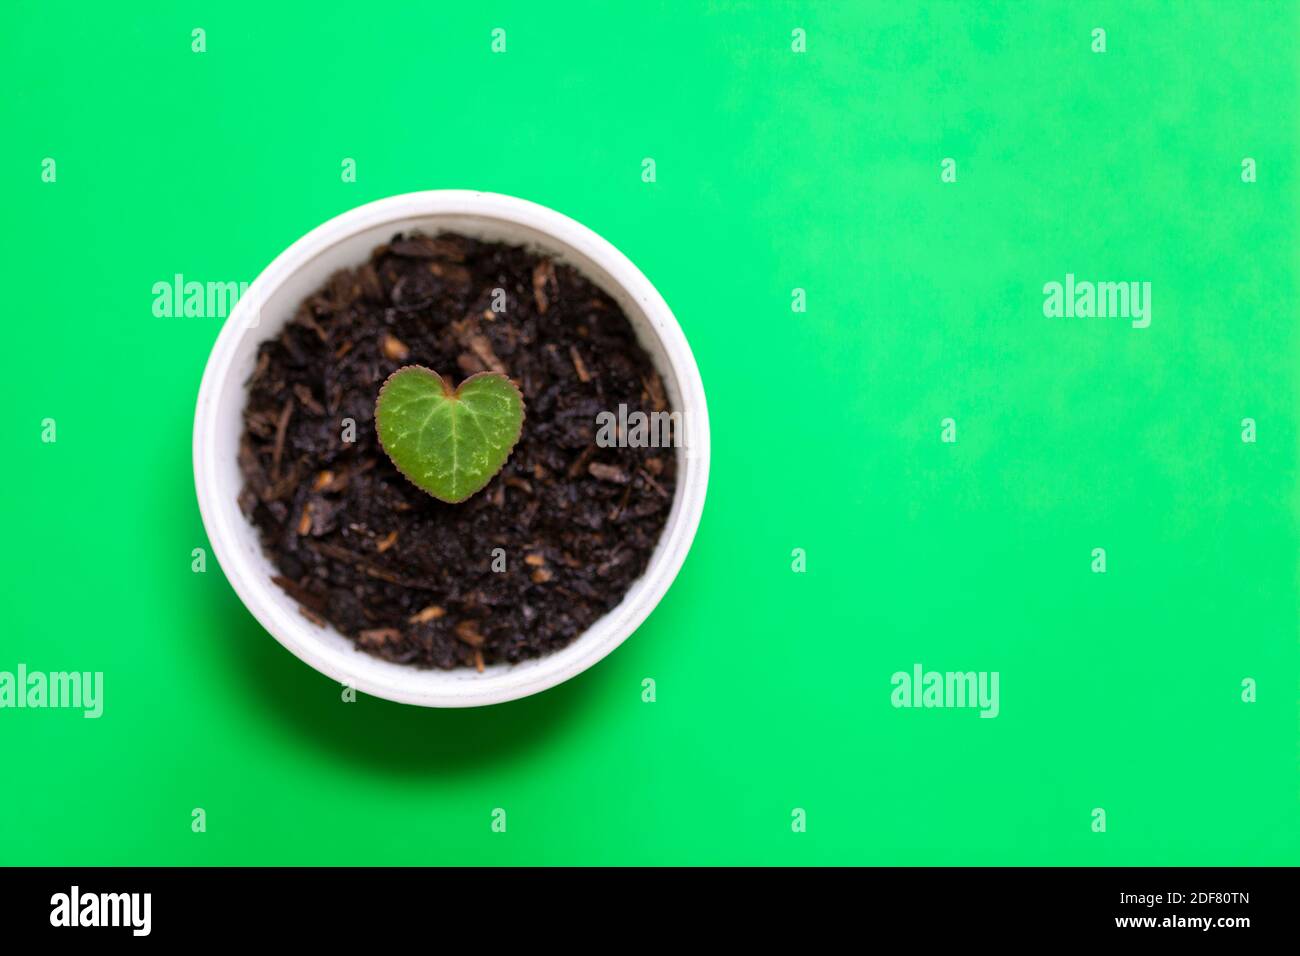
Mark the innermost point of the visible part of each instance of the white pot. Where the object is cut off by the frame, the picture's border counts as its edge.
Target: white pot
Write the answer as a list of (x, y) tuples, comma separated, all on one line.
[(346, 241)]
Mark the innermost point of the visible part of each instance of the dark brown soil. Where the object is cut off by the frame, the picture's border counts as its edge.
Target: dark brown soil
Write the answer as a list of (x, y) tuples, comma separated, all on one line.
[(410, 578)]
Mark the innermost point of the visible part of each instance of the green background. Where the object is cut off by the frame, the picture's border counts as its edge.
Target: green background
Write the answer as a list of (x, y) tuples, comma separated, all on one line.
[(776, 170)]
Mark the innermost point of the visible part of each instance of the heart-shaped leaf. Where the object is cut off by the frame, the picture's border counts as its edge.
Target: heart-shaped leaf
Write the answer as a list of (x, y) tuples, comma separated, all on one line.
[(448, 443)]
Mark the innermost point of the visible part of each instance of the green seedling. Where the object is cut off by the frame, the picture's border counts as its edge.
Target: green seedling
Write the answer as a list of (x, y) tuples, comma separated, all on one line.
[(448, 442)]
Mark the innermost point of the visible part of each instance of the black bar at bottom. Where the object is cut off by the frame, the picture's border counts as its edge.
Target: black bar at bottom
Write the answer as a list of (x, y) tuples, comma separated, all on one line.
[(335, 905)]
